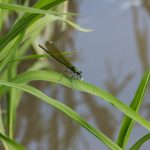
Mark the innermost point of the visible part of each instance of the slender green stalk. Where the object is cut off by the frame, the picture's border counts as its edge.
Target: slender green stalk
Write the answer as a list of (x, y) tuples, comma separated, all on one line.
[(81, 86), (68, 111)]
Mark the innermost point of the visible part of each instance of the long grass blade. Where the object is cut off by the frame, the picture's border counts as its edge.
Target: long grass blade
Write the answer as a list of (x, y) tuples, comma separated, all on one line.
[(11, 144), (140, 142), (24, 22), (128, 123), (68, 111), (81, 86)]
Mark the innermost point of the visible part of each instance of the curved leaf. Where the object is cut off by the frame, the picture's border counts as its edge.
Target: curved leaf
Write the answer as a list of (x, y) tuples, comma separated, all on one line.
[(81, 86), (68, 111)]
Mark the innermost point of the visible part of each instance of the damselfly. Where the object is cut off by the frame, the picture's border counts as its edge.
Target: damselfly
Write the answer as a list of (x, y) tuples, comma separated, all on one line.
[(57, 54)]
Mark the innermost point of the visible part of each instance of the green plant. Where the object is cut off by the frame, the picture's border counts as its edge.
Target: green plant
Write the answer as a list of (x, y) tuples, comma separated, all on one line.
[(12, 49)]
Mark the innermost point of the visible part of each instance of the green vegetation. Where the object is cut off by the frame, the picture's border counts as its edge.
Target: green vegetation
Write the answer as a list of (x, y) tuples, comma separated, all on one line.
[(13, 47)]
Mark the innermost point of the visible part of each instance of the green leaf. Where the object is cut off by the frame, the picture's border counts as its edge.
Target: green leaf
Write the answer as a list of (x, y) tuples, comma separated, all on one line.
[(77, 26), (128, 123), (24, 22), (81, 86), (140, 142), (26, 9), (68, 111), (11, 144), (2, 131)]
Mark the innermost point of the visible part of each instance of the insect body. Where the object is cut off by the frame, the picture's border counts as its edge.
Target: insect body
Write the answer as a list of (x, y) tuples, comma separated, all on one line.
[(56, 53)]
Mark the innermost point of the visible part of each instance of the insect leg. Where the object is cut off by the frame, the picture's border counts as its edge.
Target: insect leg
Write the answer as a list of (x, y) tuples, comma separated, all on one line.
[(64, 72)]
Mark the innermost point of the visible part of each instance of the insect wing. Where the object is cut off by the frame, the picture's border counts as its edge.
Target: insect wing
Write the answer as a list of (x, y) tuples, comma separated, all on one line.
[(55, 52)]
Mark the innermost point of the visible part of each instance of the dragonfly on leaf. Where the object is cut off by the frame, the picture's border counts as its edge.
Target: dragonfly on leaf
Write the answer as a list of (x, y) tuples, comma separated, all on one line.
[(57, 54)]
